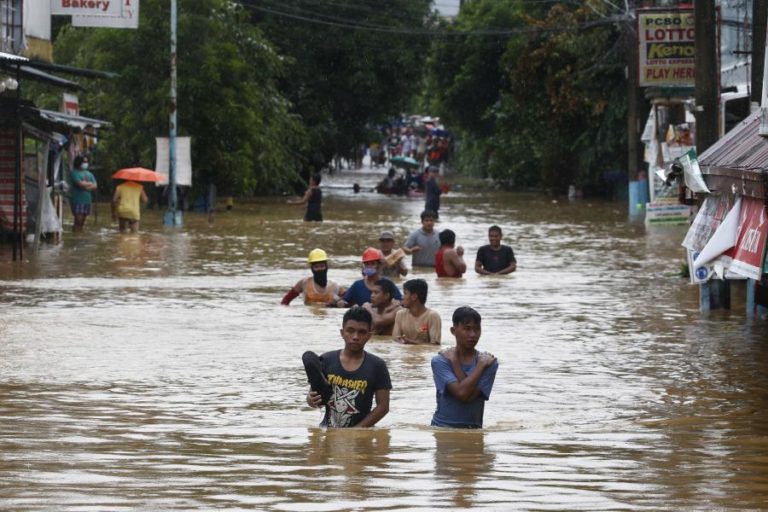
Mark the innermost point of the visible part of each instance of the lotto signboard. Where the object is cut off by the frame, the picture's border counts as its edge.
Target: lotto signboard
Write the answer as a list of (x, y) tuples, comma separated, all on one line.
[(666, 50)]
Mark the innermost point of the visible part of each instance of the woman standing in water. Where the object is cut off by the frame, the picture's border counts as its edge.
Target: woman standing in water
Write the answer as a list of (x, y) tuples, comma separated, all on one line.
[(82, 183), (313, 198)]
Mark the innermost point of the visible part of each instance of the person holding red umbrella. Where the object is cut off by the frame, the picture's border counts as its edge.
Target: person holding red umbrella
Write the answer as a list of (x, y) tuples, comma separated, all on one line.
[(126, 207)]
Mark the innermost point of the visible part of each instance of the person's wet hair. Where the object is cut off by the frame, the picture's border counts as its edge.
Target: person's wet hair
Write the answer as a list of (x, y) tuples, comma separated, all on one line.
[(387, 286), (418, 287), (428, 214), (447, 237), (465, 314), (495, 228), (357, 314), (316, 178)]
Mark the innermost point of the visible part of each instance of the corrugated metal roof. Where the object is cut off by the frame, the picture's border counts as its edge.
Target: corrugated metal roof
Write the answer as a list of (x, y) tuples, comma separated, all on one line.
[(78, 122), (42, 76), (12, 57), (741, 149)]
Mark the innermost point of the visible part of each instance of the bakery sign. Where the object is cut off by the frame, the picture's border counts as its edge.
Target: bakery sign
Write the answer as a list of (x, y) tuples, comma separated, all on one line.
[(99, 7), (666, 51)]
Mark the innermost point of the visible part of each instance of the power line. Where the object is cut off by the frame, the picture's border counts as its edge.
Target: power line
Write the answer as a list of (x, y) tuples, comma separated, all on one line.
[(432, 32)]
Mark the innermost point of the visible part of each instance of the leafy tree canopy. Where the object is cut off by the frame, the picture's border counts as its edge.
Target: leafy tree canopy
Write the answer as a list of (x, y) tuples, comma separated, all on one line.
[(542, 106), (245, 137)]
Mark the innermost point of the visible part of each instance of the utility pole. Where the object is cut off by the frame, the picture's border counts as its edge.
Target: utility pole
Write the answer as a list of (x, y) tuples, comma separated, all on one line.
[(634, 99), (759, 21), (707, 75), (173, 214)]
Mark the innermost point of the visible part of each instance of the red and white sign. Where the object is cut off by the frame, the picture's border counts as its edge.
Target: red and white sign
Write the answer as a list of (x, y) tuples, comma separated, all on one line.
[(70, 104), (666, 50), (750, 245)]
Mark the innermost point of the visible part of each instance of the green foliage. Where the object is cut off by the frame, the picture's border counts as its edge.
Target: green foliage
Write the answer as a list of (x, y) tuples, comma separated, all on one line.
[(244, 137), (342, 80), (542, 107)]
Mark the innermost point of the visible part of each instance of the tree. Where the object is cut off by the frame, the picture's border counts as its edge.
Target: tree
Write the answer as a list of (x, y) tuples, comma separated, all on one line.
[(552, 108), (345, 70), (245, 139)]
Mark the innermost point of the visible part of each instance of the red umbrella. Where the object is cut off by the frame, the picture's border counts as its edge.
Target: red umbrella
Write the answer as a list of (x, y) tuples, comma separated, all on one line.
[(138, 174)]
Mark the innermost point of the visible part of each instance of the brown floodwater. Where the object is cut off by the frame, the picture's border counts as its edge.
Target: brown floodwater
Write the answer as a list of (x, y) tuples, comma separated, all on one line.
[(158, 371)]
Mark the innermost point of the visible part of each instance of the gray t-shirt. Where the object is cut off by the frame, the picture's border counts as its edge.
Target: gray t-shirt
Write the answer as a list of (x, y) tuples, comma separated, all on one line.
[(429, 243)]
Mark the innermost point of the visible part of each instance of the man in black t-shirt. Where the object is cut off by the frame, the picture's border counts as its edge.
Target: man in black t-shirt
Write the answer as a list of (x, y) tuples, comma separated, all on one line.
[(495, 258), (346, 381)]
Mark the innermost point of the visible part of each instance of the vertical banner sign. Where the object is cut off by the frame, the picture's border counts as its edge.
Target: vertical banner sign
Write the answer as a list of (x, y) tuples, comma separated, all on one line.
[(750, 245), (667, 52)]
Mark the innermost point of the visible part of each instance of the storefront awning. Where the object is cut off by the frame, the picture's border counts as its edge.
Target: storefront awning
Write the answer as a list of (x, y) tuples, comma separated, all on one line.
[(72, 121)]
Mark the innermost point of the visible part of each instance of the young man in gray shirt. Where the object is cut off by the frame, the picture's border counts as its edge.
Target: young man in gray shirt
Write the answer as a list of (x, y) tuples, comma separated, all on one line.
[(423, 243)]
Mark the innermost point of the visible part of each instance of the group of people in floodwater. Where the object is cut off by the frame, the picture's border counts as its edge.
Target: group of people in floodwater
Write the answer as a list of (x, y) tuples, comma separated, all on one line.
[(432, 146), (348, 381)]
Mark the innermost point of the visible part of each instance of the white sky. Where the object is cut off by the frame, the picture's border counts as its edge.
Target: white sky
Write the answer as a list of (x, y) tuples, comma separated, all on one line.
[(447, 7)]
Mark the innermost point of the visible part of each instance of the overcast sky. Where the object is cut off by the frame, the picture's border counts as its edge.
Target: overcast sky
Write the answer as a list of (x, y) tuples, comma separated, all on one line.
[(447, 7)]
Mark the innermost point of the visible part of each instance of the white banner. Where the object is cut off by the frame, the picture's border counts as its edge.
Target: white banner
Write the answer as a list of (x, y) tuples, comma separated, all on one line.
[(183, 160), (129, 18), (37, 19)]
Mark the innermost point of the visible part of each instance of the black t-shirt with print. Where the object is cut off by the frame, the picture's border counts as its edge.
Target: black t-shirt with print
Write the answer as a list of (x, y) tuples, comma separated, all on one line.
[(353, 392)]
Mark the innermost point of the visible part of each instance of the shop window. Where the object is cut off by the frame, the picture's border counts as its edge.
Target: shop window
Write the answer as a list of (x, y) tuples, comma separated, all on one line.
[(11, 36)]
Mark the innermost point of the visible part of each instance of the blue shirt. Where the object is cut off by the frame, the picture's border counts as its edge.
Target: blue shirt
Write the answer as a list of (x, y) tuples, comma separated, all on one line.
[(452, 412), (359, 294)]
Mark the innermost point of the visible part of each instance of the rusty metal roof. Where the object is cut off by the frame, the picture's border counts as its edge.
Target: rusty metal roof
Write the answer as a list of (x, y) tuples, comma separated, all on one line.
[(741, 149)]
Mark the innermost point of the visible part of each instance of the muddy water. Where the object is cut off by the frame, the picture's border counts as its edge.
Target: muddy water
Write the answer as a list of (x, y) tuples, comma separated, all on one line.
[(158, 372)]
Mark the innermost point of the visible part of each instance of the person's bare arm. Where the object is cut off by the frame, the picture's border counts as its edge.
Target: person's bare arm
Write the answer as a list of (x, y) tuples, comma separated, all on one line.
[(467, 389), (480, 270), (457, 260), (509, 268), (378, 412), (303, 200), (314, 399)]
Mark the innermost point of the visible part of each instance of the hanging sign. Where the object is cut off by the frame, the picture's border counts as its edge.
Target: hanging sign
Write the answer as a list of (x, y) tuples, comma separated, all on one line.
[(183, 160), (750, 245), (129, 18), (666, 50), (70, 104)]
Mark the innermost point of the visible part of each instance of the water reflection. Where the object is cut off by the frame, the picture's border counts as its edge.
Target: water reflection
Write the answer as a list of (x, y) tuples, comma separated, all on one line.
[(461, 461)]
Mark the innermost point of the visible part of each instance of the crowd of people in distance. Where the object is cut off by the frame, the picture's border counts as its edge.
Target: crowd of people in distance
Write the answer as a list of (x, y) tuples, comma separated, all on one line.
[(422, 143), (348, 381)]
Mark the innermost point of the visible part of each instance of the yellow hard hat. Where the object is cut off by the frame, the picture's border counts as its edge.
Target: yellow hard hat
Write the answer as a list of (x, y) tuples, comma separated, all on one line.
[(317, 255)]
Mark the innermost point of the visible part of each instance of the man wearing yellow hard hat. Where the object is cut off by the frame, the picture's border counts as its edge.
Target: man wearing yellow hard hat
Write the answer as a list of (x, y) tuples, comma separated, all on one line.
[(317, 289)]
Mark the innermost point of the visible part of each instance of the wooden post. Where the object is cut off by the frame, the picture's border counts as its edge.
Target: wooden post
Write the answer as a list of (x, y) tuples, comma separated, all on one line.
[(707, 75)]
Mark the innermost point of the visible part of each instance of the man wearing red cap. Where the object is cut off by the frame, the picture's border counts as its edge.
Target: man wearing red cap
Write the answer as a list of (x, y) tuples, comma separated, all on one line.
[(360, 291)]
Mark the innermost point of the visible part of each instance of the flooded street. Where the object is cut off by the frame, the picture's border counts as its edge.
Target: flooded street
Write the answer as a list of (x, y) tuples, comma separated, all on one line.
[(159, 372)]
